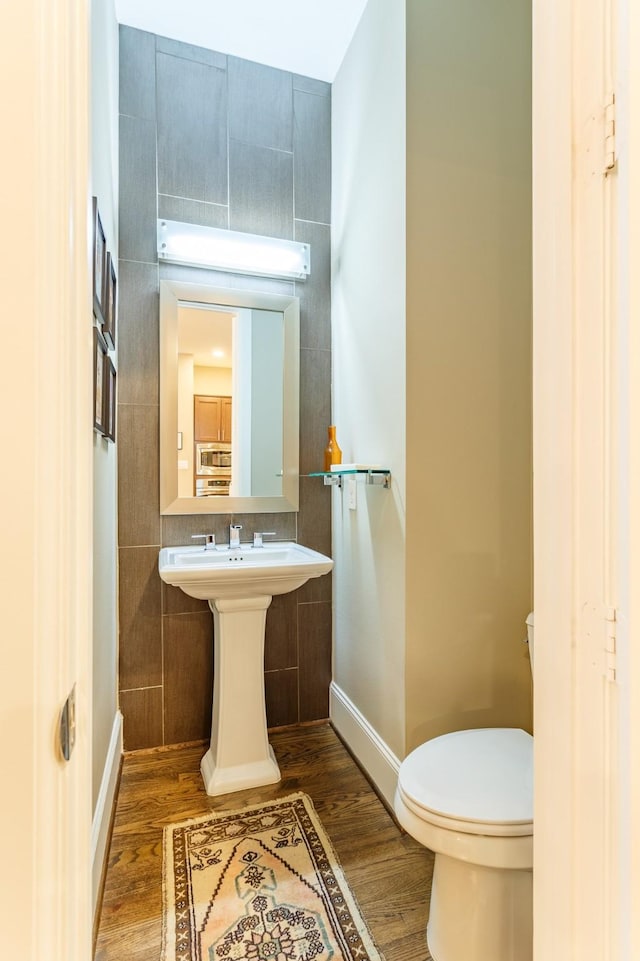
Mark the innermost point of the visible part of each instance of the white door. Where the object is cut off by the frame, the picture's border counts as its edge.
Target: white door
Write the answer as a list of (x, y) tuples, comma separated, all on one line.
[(45, 478), (586, 479)]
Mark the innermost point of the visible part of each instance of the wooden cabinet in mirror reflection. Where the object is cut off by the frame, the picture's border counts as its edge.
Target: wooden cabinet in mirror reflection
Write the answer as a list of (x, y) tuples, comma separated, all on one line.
[(212, 418)]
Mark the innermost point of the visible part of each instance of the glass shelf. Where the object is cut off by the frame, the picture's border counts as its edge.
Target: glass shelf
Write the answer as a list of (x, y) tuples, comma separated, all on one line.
[(372, 475)]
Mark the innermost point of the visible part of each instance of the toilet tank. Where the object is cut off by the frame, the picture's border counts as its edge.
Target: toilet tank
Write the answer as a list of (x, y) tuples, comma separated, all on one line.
[(530, 637)]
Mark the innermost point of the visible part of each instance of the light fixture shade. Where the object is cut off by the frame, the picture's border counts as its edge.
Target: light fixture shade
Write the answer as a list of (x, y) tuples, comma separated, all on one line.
[(229, 250)]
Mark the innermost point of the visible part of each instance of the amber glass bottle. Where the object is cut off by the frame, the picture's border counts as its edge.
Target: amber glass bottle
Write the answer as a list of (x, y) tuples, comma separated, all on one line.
[(332, 452)]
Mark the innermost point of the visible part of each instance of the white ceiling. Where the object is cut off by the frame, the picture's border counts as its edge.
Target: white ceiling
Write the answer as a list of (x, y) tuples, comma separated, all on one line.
[(308, 37)]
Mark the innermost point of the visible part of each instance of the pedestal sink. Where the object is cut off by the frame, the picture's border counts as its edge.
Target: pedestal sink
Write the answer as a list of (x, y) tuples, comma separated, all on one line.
[(239, 583)]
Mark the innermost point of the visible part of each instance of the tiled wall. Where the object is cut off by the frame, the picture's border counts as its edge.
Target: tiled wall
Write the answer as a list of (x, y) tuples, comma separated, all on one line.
[(216, 140)]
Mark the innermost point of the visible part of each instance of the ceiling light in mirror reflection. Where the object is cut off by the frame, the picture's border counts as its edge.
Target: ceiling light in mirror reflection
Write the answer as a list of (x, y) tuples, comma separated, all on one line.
[(207, 334)]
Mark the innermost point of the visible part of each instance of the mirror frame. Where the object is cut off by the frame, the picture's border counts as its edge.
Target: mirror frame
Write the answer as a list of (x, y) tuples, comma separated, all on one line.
[(172, 295)]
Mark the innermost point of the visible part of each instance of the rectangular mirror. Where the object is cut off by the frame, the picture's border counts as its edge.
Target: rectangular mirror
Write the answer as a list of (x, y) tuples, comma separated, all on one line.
[(229, 397)]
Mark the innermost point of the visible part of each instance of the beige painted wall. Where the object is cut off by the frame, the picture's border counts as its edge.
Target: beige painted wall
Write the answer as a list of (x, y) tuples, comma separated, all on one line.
[(368, 307), (212, 380), (431, 600), (104, 185), (468, 546)]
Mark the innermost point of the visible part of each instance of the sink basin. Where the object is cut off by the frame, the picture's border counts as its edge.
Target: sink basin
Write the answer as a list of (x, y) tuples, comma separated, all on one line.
[(241, 572), (239, 583)]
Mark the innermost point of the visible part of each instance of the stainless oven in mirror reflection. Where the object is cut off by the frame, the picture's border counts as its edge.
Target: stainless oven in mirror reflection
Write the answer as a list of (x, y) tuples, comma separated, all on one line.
[(213, 486), (213, 458), (213, 470)]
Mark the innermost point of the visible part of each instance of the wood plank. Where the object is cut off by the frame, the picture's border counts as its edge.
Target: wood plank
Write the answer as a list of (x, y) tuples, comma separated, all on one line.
[(389, 873)]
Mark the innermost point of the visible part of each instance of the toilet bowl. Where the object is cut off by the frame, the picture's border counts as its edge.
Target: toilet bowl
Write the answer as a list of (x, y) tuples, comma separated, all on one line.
[(468, 797)]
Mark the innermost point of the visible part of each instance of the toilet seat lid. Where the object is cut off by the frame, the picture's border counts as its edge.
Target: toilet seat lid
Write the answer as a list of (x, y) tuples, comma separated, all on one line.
[(481, 776)]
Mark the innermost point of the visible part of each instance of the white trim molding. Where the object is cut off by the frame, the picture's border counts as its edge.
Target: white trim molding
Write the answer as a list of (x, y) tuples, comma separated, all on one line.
[(100, 829), (364, 742)]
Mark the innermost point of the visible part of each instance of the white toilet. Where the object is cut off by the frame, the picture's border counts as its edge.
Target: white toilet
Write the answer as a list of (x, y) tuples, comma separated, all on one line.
[(468, 796)]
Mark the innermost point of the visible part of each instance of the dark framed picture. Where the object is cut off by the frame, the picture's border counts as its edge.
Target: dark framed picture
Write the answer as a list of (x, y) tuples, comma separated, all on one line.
[(99, 380), (99, 263), (110, 400), (110, 304)]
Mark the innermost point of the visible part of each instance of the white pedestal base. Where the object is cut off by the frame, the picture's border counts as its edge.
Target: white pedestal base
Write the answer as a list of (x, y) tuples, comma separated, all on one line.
[(240, 755), (224, 780), (479, 913)]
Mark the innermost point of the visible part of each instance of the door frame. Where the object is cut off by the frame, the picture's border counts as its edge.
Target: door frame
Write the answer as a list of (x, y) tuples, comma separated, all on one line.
[(46, 486), (586, 475)]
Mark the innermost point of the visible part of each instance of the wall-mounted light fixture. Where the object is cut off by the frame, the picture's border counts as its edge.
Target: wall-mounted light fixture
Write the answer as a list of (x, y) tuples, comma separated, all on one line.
[(232, 251)]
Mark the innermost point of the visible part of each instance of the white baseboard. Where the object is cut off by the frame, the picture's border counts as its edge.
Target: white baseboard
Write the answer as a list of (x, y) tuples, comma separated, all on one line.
[(104, 808), (365, 743)]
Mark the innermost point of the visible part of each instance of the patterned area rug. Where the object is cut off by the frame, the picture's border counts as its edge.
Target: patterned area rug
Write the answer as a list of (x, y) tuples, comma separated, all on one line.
[(261, 884)]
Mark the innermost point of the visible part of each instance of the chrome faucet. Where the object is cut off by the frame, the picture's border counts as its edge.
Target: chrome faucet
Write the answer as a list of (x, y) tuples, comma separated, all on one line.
[(209, 541), (234, 536), (258, 535)]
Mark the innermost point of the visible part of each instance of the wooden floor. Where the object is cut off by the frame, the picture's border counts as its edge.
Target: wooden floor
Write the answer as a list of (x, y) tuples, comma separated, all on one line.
[(389, 873)]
